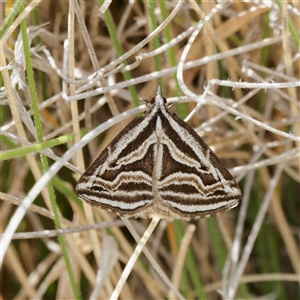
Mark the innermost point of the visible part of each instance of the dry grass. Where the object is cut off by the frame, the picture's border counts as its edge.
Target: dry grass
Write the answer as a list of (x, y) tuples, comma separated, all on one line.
[(244, 59)]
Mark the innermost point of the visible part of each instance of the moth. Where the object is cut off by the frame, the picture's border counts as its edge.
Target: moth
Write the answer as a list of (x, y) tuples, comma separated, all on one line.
[(159, 166)]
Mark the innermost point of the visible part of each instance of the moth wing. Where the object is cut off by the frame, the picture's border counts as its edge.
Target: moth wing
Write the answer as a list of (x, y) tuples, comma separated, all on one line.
[(120, 179), (194, 183)]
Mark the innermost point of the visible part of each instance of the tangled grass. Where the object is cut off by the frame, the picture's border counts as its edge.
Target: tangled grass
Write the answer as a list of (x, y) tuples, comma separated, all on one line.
[(72, 73)]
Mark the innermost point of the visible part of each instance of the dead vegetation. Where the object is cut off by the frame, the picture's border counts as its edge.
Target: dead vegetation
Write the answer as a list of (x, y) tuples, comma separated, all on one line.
[(237, 80)]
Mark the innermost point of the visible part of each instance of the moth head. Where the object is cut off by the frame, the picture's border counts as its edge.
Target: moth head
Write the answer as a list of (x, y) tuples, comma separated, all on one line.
[(159, 100), (154, 100)]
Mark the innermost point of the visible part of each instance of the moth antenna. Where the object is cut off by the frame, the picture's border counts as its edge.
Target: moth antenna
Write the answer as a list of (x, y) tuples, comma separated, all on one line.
[(146, 102)]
